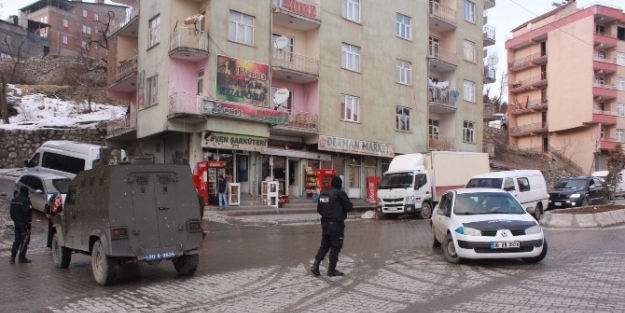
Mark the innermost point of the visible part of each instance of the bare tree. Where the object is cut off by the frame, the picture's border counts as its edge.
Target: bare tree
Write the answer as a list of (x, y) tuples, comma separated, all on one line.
[(616, 163), (7, 75), (101, 41)]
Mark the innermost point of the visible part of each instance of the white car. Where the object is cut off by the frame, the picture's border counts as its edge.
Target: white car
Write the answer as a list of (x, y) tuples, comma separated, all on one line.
[(485, 223)]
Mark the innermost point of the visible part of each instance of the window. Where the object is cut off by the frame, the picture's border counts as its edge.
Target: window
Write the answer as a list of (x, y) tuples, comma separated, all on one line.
[(44, 19), (467, 131), (620, 135), (620, 109), (599, 80), (65, 23), (154, 35), (85, 45), (349, 108), (433, 128), (350, 57), (403, 72), (469, 51), (241, 28), (96, 16), (402, 120), (620, 58), (84, 13), (508, 184), (152, 84), (433, 47), (469, 91), (351, 10), (601, 55), (600, 29), (62, 162), (524, 184), (200, 82), (620, 83), (64, 39), (402, 26), (469, 11)]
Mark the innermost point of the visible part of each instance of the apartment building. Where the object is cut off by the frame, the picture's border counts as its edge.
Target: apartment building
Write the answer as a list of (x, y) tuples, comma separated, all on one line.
[(272, 89), (566, 76), (73, 25), (19, 36)]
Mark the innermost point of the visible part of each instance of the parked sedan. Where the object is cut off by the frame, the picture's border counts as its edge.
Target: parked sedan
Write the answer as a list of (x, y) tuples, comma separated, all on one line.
[(578, 192), (483, 223), (41, 186)]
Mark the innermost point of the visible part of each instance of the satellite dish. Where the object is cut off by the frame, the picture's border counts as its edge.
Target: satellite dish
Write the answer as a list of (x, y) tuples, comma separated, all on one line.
[(530, 26), (281, 42), (280, 96), (492, 60)]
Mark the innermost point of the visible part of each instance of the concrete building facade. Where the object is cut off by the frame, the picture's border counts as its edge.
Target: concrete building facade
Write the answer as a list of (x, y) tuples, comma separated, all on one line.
[(279, 88), (567, 83)]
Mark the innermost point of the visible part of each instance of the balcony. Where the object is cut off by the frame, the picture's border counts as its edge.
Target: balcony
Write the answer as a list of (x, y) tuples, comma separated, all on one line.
[(297, 14), (604, 91), (603, 64), (528, 83), (604, 40), (604, 117), (128, 26), (488, 36), (441, 60), (442, 18), (522, 63), (529, 129), (490, 74), (294, 67), (124, 129), (126, 76), (441, 99), (532, 105), (299, 123), (185, 107), (489, 4), (608, 143), (188, 44), (437, 142)]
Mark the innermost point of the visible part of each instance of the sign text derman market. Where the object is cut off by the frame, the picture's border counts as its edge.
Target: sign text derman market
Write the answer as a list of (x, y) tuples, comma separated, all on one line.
[(356, 146)]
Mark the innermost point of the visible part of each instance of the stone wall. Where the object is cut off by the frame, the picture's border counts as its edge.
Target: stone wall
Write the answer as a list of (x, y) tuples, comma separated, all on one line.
[(19, 145)]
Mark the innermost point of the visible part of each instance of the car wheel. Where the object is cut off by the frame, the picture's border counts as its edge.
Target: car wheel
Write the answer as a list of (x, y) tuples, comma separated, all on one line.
[(187, 264), (426, 211), (540, 257), (435, 243), (102, 266), (538, 211), (584, 202), (60, 255), (449, 250)]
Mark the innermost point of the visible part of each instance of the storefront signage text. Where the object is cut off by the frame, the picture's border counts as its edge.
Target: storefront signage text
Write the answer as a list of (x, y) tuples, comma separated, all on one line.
[(233, 141), (246, 112), (242, 81), (355, 146)]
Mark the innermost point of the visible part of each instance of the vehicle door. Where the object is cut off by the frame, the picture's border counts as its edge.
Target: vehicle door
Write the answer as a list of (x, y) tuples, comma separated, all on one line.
[(441, 219), (144, 210), (172, 208), (524, 194), (595, 191), (36, 192)]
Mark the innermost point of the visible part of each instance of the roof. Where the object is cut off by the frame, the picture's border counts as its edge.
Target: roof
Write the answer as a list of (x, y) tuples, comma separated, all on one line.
[(45, 175), (61, 4), (503, 174), (542, 17)]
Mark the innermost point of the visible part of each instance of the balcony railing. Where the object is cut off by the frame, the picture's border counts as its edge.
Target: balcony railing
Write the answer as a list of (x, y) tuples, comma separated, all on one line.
[(604, 58), (489, 33), (599, 111), (188, 38), (442, 12), (299, 7), (529, 129), (604, 86), (523, 83), (442, 96), (295, 62), (131, 13), (184, 103), (490, 73), (442, 54), (303, 121), (127, 124), (437, 142), (126, 68)]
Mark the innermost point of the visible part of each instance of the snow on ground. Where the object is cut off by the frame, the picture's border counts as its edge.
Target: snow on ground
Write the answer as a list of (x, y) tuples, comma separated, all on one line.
[(36, 112)]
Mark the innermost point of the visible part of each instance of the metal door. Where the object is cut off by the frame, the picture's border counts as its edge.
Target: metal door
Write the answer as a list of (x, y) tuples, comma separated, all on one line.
[(145, 231)]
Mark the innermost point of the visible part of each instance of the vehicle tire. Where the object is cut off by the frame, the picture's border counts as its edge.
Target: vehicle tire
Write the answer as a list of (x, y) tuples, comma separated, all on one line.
[(540, 257), (449, 250), (102, 266), (426, 211), (60, 255), (435, 243), (186, 264), (584, 202), (538, 211)]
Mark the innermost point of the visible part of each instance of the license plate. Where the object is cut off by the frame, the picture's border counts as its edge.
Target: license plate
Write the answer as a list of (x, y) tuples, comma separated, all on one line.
[(505, 245), (159, 256), (557, 203)]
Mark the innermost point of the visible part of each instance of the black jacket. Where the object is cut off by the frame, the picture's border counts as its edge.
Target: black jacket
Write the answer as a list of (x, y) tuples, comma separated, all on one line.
[(221, 186), (343, 200), (21, 209)]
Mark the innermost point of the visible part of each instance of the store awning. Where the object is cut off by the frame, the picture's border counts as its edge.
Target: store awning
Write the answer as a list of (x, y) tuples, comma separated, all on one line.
[(297, 154)]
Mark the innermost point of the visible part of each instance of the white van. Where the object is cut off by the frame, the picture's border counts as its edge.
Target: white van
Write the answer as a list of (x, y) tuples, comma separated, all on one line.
[(64, 157), (620, 187), (528, 186)]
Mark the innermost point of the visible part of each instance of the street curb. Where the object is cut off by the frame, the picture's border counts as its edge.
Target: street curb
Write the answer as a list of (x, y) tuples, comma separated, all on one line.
[(589, 220)]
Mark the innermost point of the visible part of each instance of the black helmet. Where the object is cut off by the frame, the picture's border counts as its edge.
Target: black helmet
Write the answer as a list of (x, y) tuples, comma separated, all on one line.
[(337, 182), (24, 190)]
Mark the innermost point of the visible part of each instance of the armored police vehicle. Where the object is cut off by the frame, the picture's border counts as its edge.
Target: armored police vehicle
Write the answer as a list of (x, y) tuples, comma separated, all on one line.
[(128, 213)]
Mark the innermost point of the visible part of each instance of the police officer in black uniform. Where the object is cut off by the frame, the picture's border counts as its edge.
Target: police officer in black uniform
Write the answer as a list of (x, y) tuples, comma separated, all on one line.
[(22, 216), (333, 206)]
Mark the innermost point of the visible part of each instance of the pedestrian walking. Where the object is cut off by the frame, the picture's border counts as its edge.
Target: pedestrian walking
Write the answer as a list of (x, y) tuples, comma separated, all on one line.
[(333, 206), (222, 190), (22, 216)]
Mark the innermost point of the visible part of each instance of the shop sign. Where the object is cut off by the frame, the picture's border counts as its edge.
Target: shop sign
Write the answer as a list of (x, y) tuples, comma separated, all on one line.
[(245, 112), (355, 146), (233, 141), (242, 81)]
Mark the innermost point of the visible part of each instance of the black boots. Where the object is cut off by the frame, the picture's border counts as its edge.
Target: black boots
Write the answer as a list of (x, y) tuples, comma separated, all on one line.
[(315, 267), (24, 260), (12, 259), (332, 270)]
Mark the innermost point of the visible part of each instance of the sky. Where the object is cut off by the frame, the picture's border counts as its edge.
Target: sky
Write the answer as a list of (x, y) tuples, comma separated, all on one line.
[(37, 112), (505, 16)]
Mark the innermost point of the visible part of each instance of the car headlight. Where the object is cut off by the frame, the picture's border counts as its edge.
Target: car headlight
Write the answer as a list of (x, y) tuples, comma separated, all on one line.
[(536, 229), (410, 200), (575, 196), (468, 231)]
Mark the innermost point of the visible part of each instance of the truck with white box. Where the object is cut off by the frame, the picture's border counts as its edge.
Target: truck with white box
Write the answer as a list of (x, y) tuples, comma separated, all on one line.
[(415, 182)]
